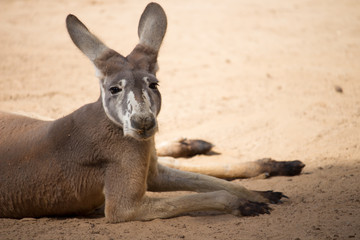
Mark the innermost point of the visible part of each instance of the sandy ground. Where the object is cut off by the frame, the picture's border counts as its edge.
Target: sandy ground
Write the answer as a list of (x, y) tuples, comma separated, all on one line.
[(272, 78)]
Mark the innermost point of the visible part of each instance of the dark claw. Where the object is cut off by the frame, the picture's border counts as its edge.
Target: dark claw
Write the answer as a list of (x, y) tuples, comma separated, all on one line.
[(274, 197), (254, 209)]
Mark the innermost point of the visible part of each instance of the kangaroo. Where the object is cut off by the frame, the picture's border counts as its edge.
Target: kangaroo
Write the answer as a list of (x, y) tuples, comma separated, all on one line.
[(104, 152)]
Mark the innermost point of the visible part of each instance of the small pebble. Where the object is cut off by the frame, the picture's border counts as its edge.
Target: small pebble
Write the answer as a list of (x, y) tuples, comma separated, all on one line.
[(338, 89)]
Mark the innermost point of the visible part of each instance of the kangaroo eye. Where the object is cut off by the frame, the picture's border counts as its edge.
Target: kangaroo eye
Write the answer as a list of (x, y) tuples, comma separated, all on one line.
[(153, 85), (114, 90)]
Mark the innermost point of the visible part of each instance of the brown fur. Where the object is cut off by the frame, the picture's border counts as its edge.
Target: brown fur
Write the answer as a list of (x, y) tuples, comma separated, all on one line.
[(71, 165), (79, 162)]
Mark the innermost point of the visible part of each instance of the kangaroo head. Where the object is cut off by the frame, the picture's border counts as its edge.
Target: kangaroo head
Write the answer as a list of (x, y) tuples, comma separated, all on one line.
[(129, 93)]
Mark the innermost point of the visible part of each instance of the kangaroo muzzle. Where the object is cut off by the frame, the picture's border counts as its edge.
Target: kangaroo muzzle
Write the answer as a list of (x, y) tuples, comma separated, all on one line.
[(142, 126), (143, 122)]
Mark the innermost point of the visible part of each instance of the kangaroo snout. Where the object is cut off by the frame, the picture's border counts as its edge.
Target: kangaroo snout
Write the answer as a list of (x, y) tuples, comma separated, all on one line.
[(143, 122)]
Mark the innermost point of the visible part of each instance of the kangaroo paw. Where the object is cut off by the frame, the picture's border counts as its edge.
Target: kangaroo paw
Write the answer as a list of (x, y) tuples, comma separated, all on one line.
[(184, 148), (273, 197), (281, 168), (254, 209)]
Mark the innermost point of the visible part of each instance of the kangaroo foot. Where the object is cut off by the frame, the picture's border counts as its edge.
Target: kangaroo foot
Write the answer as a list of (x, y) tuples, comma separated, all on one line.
[(184, 148), (281, 168), (254, 209), (273, 197)]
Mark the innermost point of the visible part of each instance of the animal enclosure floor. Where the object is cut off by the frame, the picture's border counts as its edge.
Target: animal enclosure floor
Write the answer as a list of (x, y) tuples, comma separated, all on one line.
[(277, 79)]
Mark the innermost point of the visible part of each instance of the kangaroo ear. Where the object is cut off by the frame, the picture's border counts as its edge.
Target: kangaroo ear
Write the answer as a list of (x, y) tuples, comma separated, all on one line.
[(151, 31), (88, 43), (152, 26)]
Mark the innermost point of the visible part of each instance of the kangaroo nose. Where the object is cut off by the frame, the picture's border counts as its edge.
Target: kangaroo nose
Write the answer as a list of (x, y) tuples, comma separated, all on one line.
[(142, 121)]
